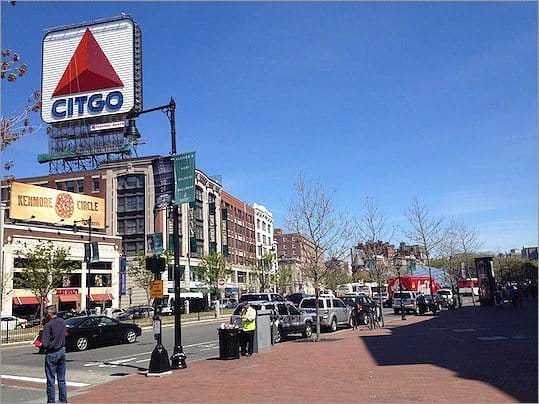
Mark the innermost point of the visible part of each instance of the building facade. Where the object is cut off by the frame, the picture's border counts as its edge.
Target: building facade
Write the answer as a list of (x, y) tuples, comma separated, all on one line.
[(239, 243), (292, 251), (102, 278)]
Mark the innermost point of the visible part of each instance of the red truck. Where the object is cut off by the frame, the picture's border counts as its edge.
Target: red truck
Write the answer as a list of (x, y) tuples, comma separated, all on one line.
[(415, 283)]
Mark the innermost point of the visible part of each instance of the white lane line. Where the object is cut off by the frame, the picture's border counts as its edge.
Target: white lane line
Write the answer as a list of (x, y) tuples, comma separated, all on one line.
[(201, 343), (38, 380), (142, 360), (495, 338), (465, 330), (519, 337), (121, 361)]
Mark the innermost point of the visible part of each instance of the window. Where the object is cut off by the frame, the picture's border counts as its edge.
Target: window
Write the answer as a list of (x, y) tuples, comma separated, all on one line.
[(258, 223), (91, 322), (258, 237), (293, 311), (59, 185), (70, 186), (104, 321), (80, 186), (95, 184), (338, 303), (282, 309), (241, 277), (264, 239)]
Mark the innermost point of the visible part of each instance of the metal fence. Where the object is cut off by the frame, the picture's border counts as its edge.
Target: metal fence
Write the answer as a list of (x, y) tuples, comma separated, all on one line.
[(18, 334)]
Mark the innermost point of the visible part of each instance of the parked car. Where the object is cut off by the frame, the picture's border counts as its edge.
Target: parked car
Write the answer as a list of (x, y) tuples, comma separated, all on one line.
[(83, 332), (385, 296), (253, 297), (296, 298), (333, 312), (136, 313), (114, 313), (12, 322), (67, 314), (286, 319), (408, 301), (447, 298), (227, 303), (365, 303)]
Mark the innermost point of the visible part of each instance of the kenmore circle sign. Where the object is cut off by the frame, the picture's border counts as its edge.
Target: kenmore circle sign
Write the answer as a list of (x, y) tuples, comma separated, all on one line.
[(89, 72)]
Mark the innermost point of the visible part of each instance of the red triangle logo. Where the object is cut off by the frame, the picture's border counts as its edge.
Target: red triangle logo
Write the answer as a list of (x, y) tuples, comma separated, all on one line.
[(88, 70)]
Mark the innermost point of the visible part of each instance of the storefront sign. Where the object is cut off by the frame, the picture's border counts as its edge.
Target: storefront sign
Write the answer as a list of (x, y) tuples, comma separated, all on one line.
[(41, 204), (155, 243), (67, 291), (123, 276), (184, 177)]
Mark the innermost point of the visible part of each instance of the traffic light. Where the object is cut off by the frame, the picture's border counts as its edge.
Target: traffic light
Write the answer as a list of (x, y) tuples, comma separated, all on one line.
[(155, 264)]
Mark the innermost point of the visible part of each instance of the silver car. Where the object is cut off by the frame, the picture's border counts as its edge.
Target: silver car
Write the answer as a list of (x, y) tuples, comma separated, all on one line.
[(409, 303), (333, 312)]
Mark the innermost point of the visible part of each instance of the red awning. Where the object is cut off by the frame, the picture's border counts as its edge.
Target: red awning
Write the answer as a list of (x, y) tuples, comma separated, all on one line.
[(101, 297), (19, 301), (69, 298)]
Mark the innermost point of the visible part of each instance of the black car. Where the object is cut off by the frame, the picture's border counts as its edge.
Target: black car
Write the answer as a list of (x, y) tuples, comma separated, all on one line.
[(363, 302), (136, 313), (296, 298), (83, 332)]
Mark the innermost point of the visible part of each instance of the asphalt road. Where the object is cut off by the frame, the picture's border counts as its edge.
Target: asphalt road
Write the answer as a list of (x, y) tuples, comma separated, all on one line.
[(99, 365)]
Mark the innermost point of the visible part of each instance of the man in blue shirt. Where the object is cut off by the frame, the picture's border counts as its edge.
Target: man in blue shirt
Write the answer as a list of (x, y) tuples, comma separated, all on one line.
[(53, 341)]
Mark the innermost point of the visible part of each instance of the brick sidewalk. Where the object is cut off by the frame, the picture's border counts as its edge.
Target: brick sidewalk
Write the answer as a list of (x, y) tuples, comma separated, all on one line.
[(420, 359)]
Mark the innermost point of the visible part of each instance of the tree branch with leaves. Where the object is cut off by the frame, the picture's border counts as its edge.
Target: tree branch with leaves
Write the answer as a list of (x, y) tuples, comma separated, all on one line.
[(213, 267), (138, 273), (46, 266)]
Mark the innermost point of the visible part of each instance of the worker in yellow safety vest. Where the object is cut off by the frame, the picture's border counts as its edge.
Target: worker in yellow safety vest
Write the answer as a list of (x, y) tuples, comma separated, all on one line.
[(248, 325)]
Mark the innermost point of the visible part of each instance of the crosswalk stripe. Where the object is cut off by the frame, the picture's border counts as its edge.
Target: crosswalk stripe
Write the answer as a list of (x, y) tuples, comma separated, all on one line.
[(39, 380)]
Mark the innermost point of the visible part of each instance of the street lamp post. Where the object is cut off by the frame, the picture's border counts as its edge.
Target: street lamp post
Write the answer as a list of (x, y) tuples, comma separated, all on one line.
[(178, 357), (403, 317), (87, 222)]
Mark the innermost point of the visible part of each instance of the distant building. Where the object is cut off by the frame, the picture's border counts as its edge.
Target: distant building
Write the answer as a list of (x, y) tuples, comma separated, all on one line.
[(530, 253), (240, 240), (292, 250)]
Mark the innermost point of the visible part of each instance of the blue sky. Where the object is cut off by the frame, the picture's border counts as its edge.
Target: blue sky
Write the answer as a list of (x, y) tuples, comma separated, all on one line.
[(390, 100)]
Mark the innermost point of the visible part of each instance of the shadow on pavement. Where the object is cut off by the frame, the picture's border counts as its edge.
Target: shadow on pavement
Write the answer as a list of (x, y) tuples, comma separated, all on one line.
[(498, 347)]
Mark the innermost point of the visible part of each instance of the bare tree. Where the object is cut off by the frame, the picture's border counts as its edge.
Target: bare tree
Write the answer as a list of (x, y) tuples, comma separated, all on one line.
[(468, 243), (373, 230), (426, 230), (326, 232), (450, 255)]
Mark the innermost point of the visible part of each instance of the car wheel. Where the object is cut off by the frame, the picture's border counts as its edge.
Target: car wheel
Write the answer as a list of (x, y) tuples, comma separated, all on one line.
[(277, 337), (130, 336), (333, 326), (308, 331), (81, 344)]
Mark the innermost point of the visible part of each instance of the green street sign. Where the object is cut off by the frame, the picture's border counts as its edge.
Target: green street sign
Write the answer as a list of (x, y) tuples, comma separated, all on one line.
[(184, 178)]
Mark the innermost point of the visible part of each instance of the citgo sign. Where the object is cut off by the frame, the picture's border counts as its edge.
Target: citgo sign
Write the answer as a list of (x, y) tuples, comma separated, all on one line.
[(89, 72)]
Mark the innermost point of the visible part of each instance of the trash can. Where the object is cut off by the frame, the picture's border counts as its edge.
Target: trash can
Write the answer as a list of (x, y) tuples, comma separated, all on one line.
[(229, 343)]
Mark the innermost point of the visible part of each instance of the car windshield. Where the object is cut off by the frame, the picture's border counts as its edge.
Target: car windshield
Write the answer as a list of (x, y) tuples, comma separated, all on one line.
[(261, 296), (73, 322), (310, 303), (444, 292), (398, 295)]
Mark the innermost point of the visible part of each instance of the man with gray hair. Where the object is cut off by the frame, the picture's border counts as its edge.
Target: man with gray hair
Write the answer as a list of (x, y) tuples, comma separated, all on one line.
[(53, 341)]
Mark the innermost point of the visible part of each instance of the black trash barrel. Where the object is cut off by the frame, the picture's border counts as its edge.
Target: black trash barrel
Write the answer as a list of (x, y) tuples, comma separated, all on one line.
[(229, 343)]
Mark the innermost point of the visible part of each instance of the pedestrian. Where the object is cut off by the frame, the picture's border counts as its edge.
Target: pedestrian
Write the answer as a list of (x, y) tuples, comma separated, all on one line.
[(54, 337), (513, 296), (355, 315), (248, 325), (500, 298)]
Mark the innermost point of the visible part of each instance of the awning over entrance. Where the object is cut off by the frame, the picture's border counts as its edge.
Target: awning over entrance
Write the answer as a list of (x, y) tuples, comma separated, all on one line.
[(69, 298), (19, 301), (101, 297)]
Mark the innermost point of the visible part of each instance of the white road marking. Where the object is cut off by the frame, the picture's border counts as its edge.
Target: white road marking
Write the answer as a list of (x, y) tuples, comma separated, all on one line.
[(465, 330), (519, 337), (495, 338), (142, 360), (39, 380), (121, 361), (439, 329), (201, 343)]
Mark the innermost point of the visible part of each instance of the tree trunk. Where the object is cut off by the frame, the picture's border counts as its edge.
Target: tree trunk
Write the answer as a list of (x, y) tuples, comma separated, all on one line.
[(317, 295)]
